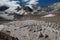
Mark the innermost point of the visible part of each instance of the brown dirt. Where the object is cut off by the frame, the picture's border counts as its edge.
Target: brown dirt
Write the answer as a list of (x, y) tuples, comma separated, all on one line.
[(55, 19)]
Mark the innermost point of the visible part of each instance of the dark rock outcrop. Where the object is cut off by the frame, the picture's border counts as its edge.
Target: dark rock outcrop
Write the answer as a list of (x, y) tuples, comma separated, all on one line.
[(3, 8), (6, 36)]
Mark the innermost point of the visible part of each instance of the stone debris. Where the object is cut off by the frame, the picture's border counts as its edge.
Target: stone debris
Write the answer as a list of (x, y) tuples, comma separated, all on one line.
[(33, 30), (6, 36)]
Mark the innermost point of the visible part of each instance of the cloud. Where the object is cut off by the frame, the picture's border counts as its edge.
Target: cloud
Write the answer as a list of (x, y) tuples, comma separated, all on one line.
[(25, 0), (31, 2), (8, 3), (11, 4)]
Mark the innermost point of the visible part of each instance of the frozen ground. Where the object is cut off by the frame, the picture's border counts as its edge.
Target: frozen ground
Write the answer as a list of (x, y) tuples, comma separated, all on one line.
[(33, 30)]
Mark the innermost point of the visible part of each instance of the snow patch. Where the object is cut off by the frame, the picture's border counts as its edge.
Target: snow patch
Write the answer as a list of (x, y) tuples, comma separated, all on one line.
[(1, 27), (49, 15)]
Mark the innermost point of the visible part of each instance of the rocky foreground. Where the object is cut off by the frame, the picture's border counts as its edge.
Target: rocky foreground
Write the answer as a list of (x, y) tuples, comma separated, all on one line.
[(32, 30)]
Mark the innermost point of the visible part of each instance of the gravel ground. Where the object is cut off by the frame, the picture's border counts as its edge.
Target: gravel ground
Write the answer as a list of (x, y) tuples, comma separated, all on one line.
[(33, 30)]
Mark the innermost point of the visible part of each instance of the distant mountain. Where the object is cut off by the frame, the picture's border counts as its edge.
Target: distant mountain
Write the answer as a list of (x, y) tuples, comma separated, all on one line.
[(25, 10)]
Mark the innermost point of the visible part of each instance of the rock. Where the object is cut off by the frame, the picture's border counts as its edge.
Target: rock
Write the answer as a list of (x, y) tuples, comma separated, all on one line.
[(46, 36), (41, 35)]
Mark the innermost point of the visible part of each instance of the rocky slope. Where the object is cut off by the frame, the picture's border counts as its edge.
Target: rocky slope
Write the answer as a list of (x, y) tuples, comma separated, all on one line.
[(33, 30)]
